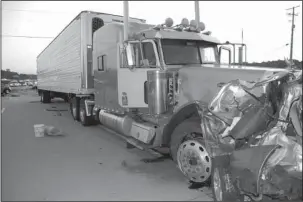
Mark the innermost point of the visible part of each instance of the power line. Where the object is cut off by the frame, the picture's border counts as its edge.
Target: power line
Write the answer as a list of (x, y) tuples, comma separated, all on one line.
[(293, 14), (31, 37)]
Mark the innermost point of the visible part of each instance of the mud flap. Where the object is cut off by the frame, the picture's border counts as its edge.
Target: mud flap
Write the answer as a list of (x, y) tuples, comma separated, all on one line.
[(246, 166)]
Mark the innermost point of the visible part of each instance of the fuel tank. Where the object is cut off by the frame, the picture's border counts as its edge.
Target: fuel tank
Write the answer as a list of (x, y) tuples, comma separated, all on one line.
[(125, 125), (120, 124)]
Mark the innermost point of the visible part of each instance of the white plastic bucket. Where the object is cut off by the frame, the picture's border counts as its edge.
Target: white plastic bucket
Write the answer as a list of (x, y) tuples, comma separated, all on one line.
[(39, 130)]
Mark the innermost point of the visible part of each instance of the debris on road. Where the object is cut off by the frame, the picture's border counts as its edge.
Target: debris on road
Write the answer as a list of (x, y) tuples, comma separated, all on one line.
[(57, 110), (42, 130), (13, 95), (39, 130), (154, 160), (57, 114), (52, 131), (36, 101)]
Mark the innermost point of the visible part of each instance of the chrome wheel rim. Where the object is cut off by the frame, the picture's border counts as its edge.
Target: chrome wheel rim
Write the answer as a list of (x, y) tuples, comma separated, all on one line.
[(194, 161), (74, 111), (82, 115), (217, 185)]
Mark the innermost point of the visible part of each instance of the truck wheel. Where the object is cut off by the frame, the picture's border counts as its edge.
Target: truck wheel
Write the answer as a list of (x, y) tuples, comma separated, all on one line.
[(222, 186), (45, 97), (188, 150), (84, 119), (74, 108)]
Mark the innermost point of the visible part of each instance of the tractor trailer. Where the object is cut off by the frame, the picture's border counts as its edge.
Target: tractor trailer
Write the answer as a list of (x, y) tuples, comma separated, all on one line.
[(144, 82)]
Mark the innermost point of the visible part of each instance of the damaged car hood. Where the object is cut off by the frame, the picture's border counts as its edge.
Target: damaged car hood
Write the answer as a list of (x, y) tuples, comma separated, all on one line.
[(201, 83)]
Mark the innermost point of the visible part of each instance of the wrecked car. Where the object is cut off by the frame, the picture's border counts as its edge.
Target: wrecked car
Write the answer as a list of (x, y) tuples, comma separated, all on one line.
[(253, 131)]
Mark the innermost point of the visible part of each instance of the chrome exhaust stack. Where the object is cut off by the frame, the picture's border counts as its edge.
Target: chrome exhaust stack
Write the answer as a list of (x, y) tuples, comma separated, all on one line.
[(125, 16), (197, 13)]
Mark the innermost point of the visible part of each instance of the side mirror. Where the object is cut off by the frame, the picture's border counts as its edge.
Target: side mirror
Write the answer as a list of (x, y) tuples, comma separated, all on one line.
[(224, 49), (130, 55)]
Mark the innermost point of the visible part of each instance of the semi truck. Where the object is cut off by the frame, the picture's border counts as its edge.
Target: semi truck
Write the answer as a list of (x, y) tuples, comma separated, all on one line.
[(144, 82)]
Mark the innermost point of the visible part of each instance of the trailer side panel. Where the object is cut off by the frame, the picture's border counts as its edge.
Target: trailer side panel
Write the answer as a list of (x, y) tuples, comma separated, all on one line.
[(59, 66)]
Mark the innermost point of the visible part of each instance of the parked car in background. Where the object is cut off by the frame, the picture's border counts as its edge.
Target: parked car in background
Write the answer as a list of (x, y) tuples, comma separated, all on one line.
[(34, 85), (5, 88)]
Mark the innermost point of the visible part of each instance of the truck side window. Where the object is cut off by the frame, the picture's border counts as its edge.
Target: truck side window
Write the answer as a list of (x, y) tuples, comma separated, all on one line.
[(208, 54), (137, 56), (101, 62), (149, 53), (137, 51)]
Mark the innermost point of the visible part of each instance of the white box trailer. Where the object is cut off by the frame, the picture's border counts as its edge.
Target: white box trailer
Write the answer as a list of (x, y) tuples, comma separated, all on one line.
[(65, 65)]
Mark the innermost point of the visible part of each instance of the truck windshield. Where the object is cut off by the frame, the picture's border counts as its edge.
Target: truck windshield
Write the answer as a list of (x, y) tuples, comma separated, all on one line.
[(184, 52)]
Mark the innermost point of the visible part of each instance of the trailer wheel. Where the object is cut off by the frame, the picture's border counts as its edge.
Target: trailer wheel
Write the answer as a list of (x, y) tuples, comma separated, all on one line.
[(45, 97), (74, 108), (188, 150)]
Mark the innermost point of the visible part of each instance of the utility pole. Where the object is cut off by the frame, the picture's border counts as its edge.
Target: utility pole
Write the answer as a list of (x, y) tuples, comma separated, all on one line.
[(292, 31)]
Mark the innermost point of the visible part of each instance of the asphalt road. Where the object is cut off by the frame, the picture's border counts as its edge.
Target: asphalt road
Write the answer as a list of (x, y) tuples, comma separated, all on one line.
[(88, 163)]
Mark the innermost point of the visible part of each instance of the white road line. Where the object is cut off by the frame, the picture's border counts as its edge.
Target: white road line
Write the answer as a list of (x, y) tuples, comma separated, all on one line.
[(2, 110)]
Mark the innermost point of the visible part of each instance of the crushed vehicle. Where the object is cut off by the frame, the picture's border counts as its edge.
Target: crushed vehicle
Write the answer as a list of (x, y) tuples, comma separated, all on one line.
[(145, 82), (253, 132)]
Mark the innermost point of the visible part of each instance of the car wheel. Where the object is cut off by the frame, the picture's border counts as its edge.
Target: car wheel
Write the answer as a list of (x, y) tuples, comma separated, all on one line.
[(188, 150), (7, 91), (222, 185)]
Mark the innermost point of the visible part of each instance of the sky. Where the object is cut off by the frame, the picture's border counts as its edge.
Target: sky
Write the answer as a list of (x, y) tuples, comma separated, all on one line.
[(266, 26)]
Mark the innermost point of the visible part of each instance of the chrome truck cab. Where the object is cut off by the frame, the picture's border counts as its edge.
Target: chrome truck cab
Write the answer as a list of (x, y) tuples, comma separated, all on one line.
[(150, 87)]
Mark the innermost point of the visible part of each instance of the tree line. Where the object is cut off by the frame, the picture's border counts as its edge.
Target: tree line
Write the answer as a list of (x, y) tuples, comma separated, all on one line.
[(7, 74), (275, 64)]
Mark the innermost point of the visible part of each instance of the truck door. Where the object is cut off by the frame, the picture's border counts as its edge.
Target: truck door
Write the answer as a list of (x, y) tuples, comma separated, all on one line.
[(131, 81)]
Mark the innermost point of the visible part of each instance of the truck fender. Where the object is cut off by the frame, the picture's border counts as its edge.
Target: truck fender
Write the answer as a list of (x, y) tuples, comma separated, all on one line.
[(191, 109)]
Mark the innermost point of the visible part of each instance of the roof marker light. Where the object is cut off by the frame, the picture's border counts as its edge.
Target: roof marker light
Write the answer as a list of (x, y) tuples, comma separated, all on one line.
[(185, 22), (169, 22), (193, 24), (201, 26)]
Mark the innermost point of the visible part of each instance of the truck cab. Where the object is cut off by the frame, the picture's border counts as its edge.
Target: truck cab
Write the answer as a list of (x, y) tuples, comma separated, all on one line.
[(148, 86)]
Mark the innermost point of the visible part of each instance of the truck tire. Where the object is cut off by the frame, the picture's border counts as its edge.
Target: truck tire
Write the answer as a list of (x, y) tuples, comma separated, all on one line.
[(221, 183), (74, 108), (45, 97), (84, 119), (187, 149)]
